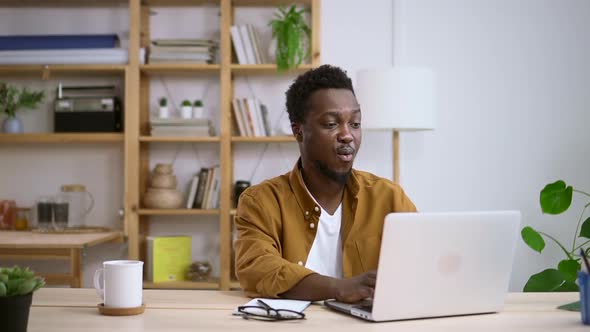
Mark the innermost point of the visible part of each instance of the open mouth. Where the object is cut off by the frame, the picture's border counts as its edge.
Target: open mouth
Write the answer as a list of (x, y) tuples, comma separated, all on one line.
[(345, 153)]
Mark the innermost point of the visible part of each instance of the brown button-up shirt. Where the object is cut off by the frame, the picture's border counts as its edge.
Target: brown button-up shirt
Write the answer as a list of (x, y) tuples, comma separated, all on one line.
[(275, 235)]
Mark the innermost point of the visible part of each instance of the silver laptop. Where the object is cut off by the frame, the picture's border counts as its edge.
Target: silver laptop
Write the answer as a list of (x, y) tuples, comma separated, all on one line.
[(441, 264)]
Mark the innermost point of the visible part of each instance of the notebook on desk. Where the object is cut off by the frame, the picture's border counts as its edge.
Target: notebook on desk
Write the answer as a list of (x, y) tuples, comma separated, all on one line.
[(440, 264)]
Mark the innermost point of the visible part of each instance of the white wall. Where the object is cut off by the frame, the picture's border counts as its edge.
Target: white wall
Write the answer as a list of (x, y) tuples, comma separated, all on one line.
[(511, 112), (512, 107)]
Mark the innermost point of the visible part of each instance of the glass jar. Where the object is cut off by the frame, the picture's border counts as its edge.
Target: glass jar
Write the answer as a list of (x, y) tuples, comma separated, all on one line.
[(23, 215)]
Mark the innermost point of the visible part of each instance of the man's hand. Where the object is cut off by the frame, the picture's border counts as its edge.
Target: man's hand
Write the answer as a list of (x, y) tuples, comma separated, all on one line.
[(356, 288), (315, 287)]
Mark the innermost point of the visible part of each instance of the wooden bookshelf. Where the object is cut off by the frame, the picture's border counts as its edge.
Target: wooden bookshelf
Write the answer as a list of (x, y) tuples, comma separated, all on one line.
[(266, 69), (179, 139), (180, 69), (138, 146), (263, 139), (178, 212), (58, 138), (47, 71)]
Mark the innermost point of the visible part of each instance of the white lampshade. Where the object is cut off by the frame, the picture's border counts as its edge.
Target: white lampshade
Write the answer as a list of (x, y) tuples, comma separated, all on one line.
[(400, 98)]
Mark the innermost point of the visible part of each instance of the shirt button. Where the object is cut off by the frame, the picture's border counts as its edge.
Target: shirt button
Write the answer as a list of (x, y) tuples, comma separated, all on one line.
[(307, 213), (316, 209), (300, 263), (312, 225)]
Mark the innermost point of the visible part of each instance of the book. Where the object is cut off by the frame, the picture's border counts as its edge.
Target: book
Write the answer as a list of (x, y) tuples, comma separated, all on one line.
[(250, 57), (185, 42), (168, 257), (238, 118), (192, 192), (201, 188), (255, 47), (155, 49), (238, 45), (57, 42), (265, 120)]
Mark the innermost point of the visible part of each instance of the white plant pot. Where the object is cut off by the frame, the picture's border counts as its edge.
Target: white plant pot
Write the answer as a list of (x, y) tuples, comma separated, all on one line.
[(164, 113), (186, 112), (198, 112)]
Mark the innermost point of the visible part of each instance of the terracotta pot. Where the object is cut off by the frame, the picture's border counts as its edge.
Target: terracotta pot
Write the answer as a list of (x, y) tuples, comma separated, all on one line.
[(163, 198), (164, 181)]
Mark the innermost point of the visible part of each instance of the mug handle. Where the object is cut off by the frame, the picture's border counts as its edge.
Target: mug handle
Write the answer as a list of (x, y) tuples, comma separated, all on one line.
[(99, 274)]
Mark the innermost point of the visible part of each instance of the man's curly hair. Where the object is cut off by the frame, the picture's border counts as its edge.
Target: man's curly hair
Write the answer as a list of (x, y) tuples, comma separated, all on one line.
[(323, 77)]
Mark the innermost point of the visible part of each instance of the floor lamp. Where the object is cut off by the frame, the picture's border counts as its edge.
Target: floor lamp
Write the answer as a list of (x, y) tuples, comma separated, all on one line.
[(398, 99)]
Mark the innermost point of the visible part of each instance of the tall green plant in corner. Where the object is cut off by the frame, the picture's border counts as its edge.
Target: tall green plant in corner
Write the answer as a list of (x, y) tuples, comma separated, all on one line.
[(292, 35), (556, 198)]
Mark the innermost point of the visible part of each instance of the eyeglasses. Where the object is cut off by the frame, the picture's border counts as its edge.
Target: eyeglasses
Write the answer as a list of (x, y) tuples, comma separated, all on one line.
[(268, 313)]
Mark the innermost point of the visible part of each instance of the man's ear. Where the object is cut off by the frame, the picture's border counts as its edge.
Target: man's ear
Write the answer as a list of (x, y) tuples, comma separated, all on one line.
[(296, 128)]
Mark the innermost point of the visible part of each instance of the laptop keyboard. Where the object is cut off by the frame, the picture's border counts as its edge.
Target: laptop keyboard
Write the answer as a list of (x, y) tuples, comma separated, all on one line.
[(366, 305)]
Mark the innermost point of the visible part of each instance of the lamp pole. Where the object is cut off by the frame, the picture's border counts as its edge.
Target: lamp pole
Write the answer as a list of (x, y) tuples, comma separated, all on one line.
[(395, 156)]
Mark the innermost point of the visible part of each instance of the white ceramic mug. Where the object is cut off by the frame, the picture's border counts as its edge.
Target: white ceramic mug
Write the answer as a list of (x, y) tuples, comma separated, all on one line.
[(121, 285)]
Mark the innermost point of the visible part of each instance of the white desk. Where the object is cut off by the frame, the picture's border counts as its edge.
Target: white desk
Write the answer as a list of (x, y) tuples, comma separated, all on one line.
[(176, 310)]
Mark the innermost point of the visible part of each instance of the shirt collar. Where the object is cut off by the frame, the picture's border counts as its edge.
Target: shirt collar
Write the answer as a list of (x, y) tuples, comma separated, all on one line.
[(304, 198)]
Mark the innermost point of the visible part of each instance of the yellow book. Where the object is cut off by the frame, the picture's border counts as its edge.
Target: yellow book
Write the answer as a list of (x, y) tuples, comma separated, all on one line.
[(171, 257)]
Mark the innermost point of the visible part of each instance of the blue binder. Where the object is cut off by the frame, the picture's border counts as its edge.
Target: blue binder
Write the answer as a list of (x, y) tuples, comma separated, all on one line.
[(53, 42)]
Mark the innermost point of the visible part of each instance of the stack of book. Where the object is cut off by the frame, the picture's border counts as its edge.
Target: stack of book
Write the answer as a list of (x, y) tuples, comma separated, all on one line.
[(204, 189), (251, 117), (182, 127), (247, 45), (183, 51)]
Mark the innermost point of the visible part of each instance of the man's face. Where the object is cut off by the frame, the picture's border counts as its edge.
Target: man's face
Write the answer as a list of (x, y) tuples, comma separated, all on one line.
[(331, 133)]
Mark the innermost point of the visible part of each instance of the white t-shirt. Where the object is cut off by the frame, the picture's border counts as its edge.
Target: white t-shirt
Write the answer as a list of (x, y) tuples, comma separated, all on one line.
[(325, 256)]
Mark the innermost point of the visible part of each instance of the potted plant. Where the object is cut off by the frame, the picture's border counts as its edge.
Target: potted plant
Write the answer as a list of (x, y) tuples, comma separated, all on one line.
[(163, 113), (186, 109), (292, 36), (556, 198), (16, 295), (198, 110), (11, 100)]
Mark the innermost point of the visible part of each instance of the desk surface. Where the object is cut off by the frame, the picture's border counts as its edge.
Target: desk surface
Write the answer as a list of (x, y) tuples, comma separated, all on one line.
[(175, 310), (30, 240)]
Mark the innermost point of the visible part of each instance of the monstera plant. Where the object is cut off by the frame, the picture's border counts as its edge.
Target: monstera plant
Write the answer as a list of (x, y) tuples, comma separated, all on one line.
[(556, 198)]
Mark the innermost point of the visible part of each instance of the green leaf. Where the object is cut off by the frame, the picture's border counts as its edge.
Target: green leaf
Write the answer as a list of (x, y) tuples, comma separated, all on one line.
[(567, 286), (569, 268), (3, 289), (548, 280), (585, 230), (26, 287), (556, 197), (533, 239)]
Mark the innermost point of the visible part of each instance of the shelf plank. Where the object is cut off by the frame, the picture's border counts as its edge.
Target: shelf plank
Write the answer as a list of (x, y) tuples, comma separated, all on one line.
[(179, 3), (180, 69), (266, 69), (61, 138), (212, 284), (263, 139), (235, 3), (269, 3), (178, 212), (73, 70), (179, 139)]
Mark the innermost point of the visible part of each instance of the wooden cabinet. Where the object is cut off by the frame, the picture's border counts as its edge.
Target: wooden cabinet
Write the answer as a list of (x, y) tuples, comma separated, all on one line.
[(137, 79)]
